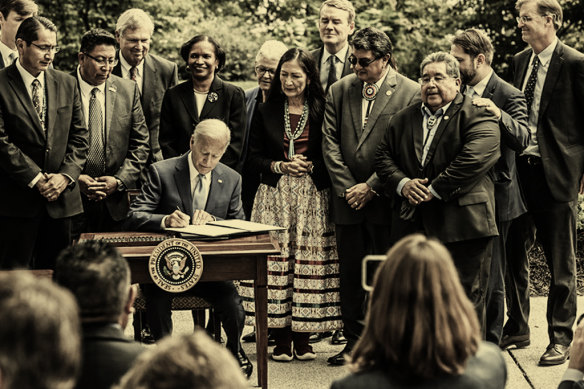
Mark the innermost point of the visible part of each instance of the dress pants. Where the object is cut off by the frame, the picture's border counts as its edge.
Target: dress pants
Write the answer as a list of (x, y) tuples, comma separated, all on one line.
[(221, 294), (33, 242), (555, 225), (355, 241)]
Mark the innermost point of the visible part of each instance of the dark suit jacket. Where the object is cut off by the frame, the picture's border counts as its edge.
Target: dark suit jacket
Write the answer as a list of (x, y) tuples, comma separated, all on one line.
[(514, 139), (25, 150), (464, 149), (485, 370), (267, 145), (179, 118), (571, 385), (561, 119), (168, 187), (159, 75), (107, 354), (349, 153), (126, 137), (251, 99)]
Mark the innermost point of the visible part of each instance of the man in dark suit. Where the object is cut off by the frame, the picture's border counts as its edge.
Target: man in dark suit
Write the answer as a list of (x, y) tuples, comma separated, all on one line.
[(193, 189), (153, 74), (358, 110), (474, 51), (118, 136), (43, 147), (336, 23), (435, 161), (550, 169), (12, 13), (99, 278)]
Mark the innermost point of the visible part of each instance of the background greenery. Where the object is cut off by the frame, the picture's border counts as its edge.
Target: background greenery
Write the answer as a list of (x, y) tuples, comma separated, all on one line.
[(416, 27)]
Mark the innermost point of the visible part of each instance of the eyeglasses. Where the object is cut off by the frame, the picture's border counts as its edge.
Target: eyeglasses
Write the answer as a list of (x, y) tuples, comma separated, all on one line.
[(364, 62), (425, 80), (526, 19), (261, 70), (47, 48), (104, 61)]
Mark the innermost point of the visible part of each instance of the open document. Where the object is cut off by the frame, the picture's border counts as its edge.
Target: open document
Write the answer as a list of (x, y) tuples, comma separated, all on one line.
[(225, 229)]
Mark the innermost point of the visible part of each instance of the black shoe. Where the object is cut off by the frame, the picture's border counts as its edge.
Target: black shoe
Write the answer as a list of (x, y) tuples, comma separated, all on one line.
[(146, 337), (316, 337), (244, 363), (251, 338), (339, 359), (555, 354), (516, 341), (338, 338)]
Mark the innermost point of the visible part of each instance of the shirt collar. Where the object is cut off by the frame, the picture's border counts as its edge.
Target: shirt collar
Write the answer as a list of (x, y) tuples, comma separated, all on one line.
[(341, 54), (480, 87), (126, 66), (546, 54), (28, 78), (85, 87), (193, 172), (6, 51), (426, 111)]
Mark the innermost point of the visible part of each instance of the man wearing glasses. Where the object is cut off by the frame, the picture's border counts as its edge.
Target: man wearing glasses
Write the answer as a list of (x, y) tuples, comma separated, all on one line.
[(118, 136), (551, 74), (336, 23), (358, 110), (12, 13), (43, 148), (435, 161)]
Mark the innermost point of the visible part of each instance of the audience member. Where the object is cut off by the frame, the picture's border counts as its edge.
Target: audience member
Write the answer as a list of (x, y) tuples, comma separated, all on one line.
[(43, 148), (421, 329), (285, 147), (358, 110), (12, 13), (551, 74), (187, 361), (435, 160), (474, 52), (336, 22), (204, 96), (39, 337), (99, 278), (207, 189), (153, 74), (266, 62), (118, 136)]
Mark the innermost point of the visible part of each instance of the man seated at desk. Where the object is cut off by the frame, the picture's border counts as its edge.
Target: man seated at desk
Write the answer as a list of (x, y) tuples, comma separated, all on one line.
[(193, 189)]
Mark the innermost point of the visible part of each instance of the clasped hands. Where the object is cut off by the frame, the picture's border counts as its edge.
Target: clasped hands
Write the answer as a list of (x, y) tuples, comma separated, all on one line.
[(99, 188), (358, 195), (416, 191), (51, 185), (298, 166), (179, 219)]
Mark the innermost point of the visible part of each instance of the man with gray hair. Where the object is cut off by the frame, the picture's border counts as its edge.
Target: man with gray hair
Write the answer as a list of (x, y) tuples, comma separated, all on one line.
[(435, 161), (336, 22), (153, 74), (39, 335), (194, 188)]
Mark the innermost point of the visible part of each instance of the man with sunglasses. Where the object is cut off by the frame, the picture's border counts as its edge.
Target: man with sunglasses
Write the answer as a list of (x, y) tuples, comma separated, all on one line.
[(358, 110), (43, 147), (551, 74), (118, 136)]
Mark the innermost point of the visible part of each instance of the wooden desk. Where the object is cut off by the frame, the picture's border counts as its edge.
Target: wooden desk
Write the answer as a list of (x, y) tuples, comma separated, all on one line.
[(233, 259)]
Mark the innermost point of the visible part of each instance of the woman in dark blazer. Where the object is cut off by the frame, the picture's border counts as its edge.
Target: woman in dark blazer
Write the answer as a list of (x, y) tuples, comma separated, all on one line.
[(421, 330), (203, 96), (285, 147)]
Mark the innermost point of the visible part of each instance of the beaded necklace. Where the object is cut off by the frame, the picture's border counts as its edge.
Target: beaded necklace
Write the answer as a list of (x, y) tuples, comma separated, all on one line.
[(292, 136)]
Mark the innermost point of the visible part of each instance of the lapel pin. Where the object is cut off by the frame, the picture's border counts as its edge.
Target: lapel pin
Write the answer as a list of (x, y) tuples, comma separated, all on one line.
[(220, 181), (212, 97), (446, 117), (388, 93), (112, 89)]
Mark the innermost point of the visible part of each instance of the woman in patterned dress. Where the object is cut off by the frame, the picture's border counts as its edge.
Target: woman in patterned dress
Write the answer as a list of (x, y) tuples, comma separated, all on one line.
[(285, 147)]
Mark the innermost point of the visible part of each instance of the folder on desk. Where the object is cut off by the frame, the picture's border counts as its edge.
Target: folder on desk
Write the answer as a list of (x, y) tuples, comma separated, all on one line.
[(225, 229)]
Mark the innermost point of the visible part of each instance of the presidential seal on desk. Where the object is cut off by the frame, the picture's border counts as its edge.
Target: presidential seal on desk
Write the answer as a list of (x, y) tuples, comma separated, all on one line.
[(175, 265)]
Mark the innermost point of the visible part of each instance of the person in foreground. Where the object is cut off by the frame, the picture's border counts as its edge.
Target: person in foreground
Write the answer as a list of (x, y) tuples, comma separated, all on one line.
[(194, 188), (421, 329), (191, 361), (99, 278), (39, 335), (573, 378)]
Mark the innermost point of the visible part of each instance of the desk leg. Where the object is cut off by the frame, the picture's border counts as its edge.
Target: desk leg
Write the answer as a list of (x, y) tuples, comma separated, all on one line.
[(261, 315)]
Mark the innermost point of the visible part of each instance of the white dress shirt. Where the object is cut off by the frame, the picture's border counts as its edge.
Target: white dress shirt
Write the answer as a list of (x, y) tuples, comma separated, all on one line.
[(6, 51), (86, 97), (339, 63), (126, 71)]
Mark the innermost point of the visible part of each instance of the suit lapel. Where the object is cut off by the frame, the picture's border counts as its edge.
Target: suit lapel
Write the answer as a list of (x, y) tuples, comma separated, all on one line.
[(215, 189), (452, 110), (551, 78), (148, 78), (491, 87), (110, 102), (217, 88), (417, 131), (188, 98), (52, 93), (355, 105), (382, 99), (182, 176), (15, 81), (522, 64), (347, 66)]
